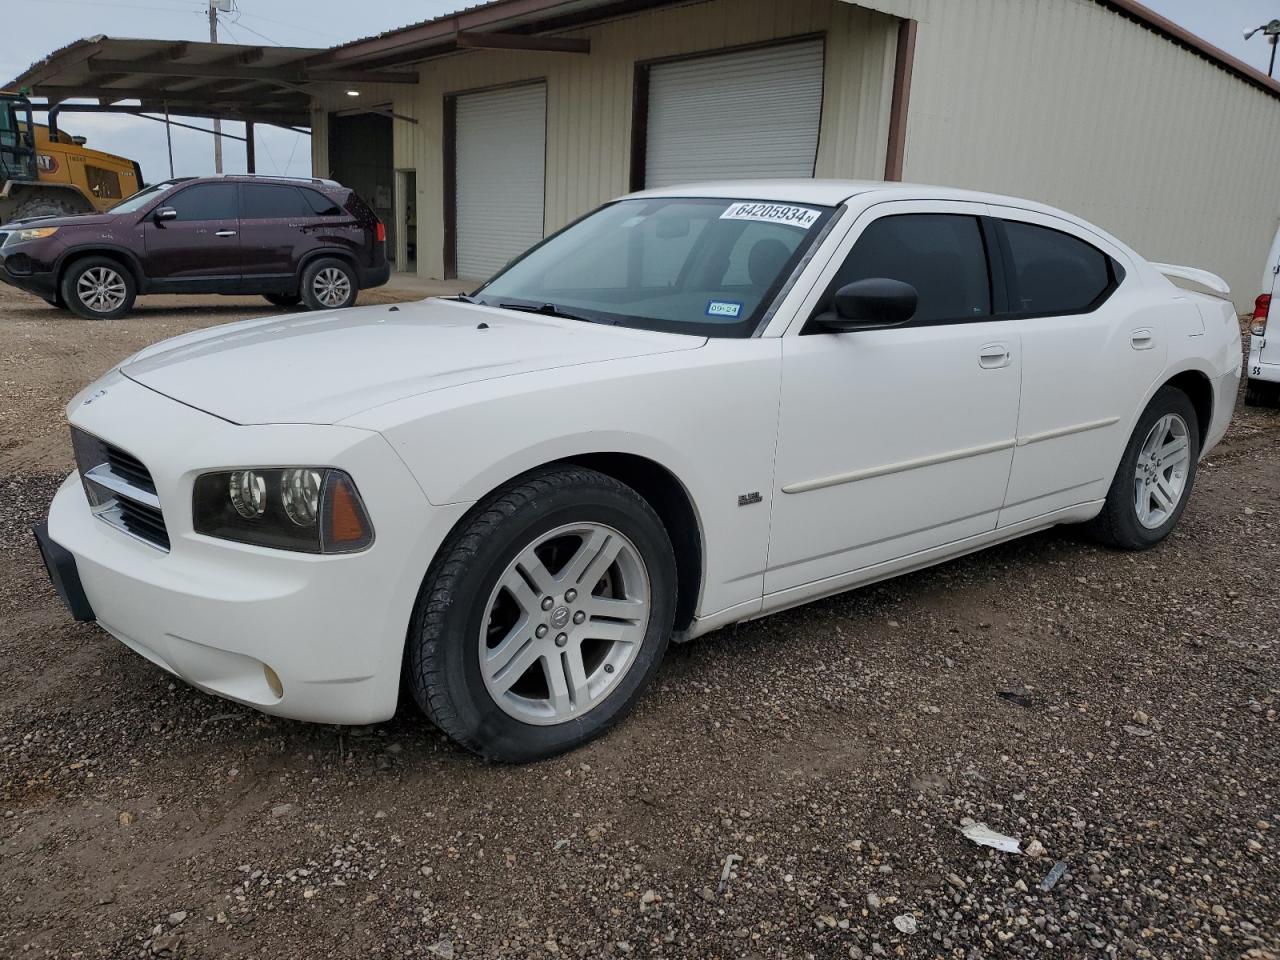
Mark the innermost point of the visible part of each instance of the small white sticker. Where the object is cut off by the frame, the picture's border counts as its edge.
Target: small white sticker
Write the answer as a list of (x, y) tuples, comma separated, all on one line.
[(723, 308), (783, 213)]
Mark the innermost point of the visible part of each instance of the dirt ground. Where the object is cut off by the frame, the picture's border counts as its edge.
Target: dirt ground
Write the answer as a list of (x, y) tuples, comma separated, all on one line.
[(791, 787)]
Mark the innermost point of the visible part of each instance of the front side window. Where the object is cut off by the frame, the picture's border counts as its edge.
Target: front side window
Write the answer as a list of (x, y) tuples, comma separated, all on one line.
[(689, 265), (942, 255), (266, 201), (205, 201), (1055, 272)]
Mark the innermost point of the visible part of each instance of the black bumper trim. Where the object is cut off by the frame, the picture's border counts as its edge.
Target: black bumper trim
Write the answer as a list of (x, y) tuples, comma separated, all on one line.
[(375, 276), (61, 566)]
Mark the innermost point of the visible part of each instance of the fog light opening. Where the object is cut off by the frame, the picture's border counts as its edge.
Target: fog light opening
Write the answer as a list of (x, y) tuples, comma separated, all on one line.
[(273, 681)]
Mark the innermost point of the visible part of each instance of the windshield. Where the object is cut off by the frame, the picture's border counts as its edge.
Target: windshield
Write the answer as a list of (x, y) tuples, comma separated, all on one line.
[(702, 266), (141, 198)]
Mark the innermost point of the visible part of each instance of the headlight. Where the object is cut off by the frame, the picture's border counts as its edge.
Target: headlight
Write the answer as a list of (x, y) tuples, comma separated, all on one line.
[(311, 509), (35, 233)]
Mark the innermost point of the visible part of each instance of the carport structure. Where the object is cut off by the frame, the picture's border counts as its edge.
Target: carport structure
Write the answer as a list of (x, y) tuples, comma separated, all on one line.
[(250, 84)]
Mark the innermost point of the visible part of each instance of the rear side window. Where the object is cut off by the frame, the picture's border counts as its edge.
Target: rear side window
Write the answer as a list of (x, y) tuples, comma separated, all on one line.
[(205, 201), (942, 255), (321, 206), (266, 201), (1055, 272)]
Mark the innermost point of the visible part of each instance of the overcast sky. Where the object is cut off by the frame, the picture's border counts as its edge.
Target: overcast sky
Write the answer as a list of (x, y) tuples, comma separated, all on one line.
[(46, 25)]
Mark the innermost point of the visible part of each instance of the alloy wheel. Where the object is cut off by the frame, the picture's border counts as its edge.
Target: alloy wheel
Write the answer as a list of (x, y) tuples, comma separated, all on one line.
[(564, 623), (331, 286), (101, 289), (1160, 476)]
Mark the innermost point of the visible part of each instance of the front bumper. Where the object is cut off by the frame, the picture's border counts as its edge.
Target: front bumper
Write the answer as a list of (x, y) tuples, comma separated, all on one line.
[(310, 637), (26, 274)]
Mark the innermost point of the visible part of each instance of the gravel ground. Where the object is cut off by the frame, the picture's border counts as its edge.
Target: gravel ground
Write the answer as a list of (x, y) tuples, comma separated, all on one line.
[(792, 787)]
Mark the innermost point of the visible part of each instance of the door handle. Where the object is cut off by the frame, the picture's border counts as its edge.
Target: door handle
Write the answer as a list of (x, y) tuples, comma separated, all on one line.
[(225, 233), (993, 356), (1142, 339)]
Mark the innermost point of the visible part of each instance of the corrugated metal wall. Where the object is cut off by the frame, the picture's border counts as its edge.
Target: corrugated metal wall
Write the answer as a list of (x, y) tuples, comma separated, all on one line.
[(1066, 102), (589, 99)]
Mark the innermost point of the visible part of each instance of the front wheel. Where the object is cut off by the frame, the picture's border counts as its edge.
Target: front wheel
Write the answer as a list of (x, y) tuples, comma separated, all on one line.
[(544, 616), (329, 284), (98, 288), (1155, 476)]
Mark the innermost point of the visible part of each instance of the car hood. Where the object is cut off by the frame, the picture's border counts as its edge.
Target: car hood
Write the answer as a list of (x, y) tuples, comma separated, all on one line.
[(324, 367), (77, 220)]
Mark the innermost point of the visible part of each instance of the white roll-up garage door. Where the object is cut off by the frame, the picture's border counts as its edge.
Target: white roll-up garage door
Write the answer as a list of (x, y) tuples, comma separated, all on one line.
[(735, 116), (501, 138)]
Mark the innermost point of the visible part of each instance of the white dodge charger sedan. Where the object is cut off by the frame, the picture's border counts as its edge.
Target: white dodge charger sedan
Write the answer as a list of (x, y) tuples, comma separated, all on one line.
[(691, 407)]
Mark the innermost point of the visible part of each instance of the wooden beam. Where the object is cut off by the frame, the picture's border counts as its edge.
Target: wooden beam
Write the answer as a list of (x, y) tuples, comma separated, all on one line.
[(229, 71), (520, 41), (896, 156), (196, 96)]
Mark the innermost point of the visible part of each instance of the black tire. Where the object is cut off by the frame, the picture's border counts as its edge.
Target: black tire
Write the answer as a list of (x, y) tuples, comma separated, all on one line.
[(1118, 524), (283, 299), (312, 286), (48, 207), (442, 661), (69, 288), (1260, 394)]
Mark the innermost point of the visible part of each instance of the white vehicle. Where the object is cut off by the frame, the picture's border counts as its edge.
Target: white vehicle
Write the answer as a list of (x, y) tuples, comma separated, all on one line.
[(692, 407), (1263, 366)]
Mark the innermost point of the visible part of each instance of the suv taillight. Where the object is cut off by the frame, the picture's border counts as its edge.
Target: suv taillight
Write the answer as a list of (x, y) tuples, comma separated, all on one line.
[(380, 232), (1261, 307)]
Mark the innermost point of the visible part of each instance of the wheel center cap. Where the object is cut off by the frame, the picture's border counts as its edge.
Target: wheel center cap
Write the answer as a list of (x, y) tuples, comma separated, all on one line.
[(560, 617)]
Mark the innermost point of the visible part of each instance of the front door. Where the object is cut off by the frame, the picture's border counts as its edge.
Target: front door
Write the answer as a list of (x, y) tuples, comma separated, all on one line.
[(199, 250), (895, 441)]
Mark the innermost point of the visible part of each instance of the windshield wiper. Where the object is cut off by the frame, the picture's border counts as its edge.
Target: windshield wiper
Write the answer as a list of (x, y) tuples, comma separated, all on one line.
[(551, 310)]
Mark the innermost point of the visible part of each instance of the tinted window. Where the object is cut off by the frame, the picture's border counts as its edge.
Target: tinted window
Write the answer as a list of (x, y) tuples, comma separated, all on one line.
[(205, 201), (1055, 272), (320, 205), (103, 183), (941, 255), (262, 201)]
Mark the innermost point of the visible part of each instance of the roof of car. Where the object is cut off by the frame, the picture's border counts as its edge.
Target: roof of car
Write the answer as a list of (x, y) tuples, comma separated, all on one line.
[(828, 192)]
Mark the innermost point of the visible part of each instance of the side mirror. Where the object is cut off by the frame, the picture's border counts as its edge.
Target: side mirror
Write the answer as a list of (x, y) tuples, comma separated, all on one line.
[(164, 213), (871, 304)]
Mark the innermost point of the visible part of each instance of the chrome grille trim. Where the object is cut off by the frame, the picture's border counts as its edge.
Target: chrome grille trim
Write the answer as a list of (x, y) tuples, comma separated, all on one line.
[(120, 490)]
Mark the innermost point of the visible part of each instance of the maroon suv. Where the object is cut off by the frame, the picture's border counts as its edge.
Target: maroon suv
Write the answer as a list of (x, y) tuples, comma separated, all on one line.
[(292, 240)]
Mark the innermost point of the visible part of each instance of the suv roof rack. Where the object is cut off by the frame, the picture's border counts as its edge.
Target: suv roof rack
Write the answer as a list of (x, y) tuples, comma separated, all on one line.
[(276, 176)]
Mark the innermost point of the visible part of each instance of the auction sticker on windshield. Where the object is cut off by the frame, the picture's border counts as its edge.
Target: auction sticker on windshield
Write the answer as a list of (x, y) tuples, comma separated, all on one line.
[(773, 213)]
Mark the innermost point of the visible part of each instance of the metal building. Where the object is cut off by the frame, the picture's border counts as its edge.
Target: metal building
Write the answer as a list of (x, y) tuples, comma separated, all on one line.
[(528, 113)]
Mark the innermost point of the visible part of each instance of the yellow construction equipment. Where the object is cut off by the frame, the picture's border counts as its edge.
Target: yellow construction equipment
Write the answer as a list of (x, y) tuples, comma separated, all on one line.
[(42, 176)]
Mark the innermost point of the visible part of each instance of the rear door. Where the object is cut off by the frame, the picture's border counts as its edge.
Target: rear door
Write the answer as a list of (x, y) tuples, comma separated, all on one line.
[(1092, 347), (277, 228), (200, 249)]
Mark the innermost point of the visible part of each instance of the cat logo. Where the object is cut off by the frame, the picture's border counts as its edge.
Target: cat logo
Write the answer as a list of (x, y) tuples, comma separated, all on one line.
[(47, 163)]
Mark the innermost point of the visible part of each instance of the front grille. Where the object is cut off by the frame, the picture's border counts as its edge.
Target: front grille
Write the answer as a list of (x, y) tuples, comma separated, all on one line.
[(120, 489)]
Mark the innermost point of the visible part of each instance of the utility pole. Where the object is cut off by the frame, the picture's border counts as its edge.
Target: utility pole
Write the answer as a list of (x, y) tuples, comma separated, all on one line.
[(217, 124)]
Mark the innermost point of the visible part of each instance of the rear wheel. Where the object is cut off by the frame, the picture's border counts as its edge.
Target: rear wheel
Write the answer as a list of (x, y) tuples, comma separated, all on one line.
[(544, 616), (329, 284), (98, 288), (1155, 476), (283, 299)]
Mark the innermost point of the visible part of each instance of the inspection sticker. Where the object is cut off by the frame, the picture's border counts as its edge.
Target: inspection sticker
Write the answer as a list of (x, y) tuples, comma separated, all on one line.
[(783, 213), (723, 308)]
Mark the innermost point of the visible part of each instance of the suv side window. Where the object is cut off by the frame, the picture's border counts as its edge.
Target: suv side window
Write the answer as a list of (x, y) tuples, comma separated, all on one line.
[(942, 255), (321, 206), (205, 201), (1055, 272), (264, 201)]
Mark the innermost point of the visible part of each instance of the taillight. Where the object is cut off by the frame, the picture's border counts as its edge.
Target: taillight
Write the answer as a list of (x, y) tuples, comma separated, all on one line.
[(1261, 307), (380, 232)]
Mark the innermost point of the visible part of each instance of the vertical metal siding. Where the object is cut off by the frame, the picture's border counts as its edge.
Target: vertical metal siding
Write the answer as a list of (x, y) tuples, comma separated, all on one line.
[(589, 98), (1066, 102)]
